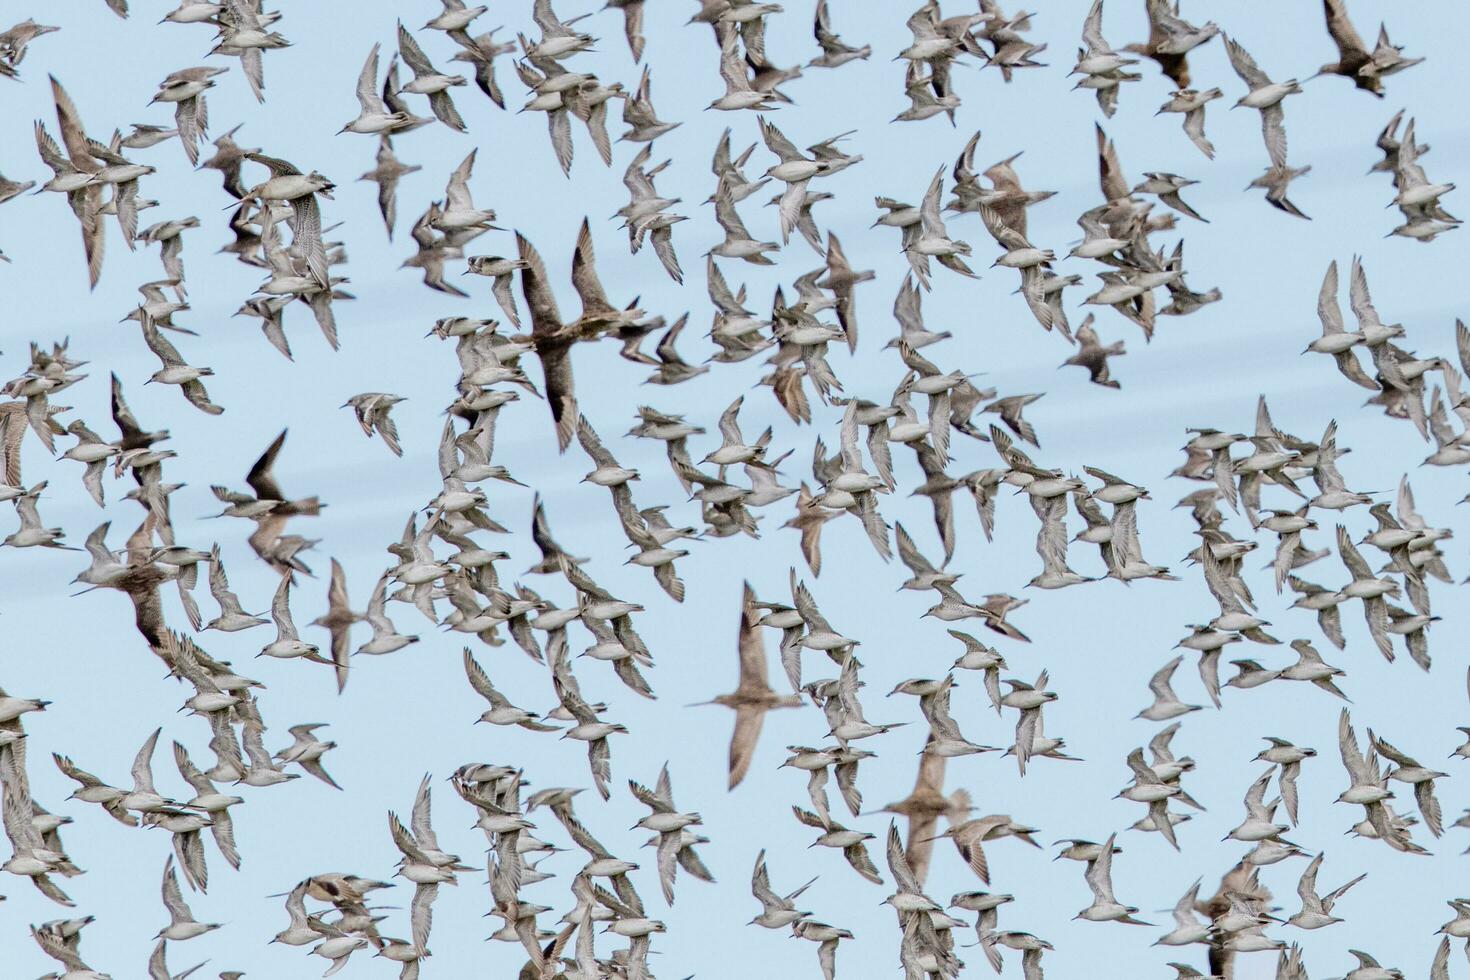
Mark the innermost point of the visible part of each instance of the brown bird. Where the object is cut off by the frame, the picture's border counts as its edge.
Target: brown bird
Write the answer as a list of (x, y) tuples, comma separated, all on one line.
[(1239, 887), (1093, 355), (85, 202), (338, 620), (753, 696), (553, 346), (270, 510), (1363, 67), (924, 805), (1170, 39)]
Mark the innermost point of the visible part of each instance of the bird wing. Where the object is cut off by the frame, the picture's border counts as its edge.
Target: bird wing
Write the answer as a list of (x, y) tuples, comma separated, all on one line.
[(1245, 66), (1350, 46), (367, 85), (584, 275), (413, 55), (1327, 309)]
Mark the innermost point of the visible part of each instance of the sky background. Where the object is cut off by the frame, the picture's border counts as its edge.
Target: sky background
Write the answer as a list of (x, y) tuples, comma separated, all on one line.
[(412, 713)]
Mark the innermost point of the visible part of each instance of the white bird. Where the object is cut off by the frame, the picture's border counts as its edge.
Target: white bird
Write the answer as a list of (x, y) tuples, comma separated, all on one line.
[(288, 643), (182, 925)]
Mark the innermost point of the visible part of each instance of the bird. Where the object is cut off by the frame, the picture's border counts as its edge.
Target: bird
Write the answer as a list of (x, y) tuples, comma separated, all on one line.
[(501, 711), (429, 81), (182, 925), (777, 912), (669, 825), (374, 117), (1364, 68), (1170, 39), (1093, 355), (307, 751), (753, 696), (1102, 69), (547, 334), (1422, 779), (175, 371), (835, 52), (1316, 911), (1191, 104), (852, 843), (1265, 96), (1166, 704), (1187, 927), (371, 409), (338, 621), (288, 643), (185, 88), (1104, 907), (289, 184)]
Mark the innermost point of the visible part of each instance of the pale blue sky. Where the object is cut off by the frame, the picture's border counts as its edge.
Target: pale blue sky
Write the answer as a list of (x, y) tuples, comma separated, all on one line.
[(411, 713)]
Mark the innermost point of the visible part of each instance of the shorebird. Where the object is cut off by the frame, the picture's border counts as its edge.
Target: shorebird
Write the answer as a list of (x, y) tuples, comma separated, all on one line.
[(1191, 104), (1104, 907), (1370, 589), (1370, 969), (852, 843), (288, 643), (1093, 355), (589, 728), (300, 190), (1187, 930), (1368, 788), (548, 335), (13, 41), (795, 170), (185, 88), (207, 799), (1406, 770), (1310, 667), (641, 117), (338, 621), (374, 116), (371, 409), (501, 711), (1166, 704), (970, 835), (1102, 69), (1166, 187), (1170, 39), (232, 616), (1265, 96), (1148, 788), (667, 823), (306, 751), (739, 93), (427, 80), (835, 52), (1028, 700), (777, 912), (182, 925), (1316, 911), (176, 371), (932, 239), (1364, 68), (826, 937), (1336, 340), (753, 696)]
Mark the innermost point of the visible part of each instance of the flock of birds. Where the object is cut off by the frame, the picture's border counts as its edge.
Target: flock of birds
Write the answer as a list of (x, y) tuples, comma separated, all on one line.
[(1258, 486)]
